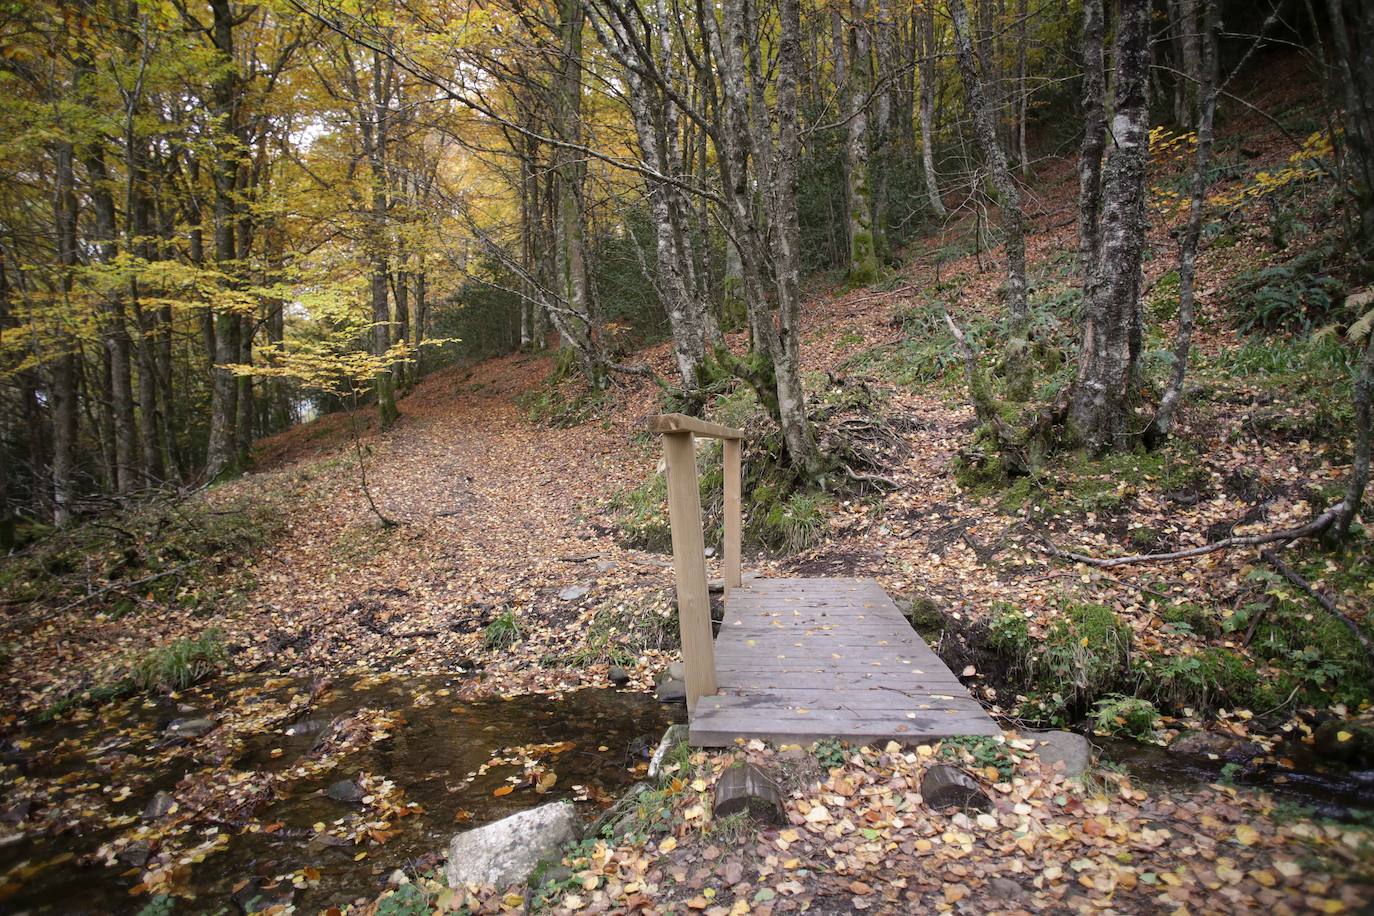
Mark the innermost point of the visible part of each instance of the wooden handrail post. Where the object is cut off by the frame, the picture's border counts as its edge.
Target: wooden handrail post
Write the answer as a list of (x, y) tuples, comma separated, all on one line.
[(730, 455), (689, 566)]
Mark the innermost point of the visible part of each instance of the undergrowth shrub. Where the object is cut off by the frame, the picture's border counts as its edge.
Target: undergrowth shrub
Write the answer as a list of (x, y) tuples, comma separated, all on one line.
[(180, 663), (156, 553), (980, 751), (561, 405), (925, 354), (1296, 295), (1083, 655), (502, 633), (1127, 717), (620, 633), (1204, 681), (783, 510)]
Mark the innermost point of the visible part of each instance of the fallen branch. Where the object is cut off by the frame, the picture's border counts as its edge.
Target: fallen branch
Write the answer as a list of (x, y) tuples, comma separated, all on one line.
[(1315, 527), (123, 586), (1293, 576)]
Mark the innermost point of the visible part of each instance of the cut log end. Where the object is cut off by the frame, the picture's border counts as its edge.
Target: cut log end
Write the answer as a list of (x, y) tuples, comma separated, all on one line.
[(744, 788), (950, 787)]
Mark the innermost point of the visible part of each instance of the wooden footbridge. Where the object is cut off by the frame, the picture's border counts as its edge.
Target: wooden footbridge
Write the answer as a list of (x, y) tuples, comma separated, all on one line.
[(796, 660)]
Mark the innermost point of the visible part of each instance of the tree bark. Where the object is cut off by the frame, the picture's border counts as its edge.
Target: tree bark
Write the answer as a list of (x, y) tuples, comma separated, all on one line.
[(1162, 424), (65, 409), (1101, 399), (863, 255), (1093, 145), (927, 106), (1352, 29), (115, 331), (577, 328), (1018, 367), (224, 90)]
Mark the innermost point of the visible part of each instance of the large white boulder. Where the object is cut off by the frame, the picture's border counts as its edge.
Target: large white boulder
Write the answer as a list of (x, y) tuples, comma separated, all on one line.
[(505, 852)]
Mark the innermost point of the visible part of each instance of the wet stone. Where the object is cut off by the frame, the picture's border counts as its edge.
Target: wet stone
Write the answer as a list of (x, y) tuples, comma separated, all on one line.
[(136, 854), (159, 805), (618, 676), (306, 727), (1073, 751), (347, 791), (671, 690), (506, 851), (189, 728), (1214, 744)]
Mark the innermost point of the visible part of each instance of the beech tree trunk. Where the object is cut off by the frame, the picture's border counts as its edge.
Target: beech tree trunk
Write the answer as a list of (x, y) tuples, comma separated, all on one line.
[(375, 134), (1094, 143), (656, 123), (1101, 400), (575, 325), (115, 332), (1018, 368), (224, 327), (863, 256), (64, 379), (926, 65)]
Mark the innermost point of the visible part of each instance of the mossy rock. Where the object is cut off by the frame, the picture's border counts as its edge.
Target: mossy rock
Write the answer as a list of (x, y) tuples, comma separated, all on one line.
[(925, 616)]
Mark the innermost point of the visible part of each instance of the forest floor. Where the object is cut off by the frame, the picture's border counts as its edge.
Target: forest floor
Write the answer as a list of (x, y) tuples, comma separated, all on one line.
[(506, 564)]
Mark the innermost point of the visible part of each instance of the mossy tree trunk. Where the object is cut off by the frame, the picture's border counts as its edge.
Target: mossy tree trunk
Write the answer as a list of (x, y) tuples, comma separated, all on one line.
[(863, 255)]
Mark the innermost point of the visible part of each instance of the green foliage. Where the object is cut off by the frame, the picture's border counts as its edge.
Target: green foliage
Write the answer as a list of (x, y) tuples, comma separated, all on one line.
[(1074, 484), (925, 616), (830, 753), (1187, 617), (1162, 301), (1281, 358), (924, 356), (777, 514), (641, 514), (1321, 657), (1129, 717), (1297, 295), (791, 523), (1204, 681), (159, 905), (502, 633), (620, 633), (180, 664), (552, 878), (406, 900), (1083, 655), (561, 405), (981, 751)]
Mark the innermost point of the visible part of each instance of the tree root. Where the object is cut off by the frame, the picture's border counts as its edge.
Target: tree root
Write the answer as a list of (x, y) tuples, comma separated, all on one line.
[(1313, 528)]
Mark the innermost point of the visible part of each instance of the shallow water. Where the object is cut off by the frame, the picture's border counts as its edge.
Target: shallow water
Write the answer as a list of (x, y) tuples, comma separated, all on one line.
[(1325, 789), (91, 778)]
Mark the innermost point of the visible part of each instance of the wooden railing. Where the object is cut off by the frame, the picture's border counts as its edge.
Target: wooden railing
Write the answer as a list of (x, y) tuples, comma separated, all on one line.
[(689, 547)]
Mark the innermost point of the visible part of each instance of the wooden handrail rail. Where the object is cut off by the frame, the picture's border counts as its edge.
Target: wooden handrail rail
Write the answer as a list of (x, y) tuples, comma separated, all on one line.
[(681, 423), (689, 550)]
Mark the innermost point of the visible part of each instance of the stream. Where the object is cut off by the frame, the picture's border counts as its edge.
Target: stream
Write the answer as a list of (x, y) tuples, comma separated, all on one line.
[(274, 823), (1322, 788), (314, 793)]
